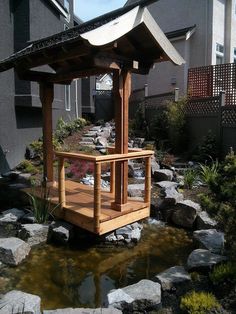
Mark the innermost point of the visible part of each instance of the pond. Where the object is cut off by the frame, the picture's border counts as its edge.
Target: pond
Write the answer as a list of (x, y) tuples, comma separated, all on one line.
[(81, 276)]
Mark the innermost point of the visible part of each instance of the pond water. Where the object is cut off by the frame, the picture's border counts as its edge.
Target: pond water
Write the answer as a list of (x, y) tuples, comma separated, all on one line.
[(81, 276)]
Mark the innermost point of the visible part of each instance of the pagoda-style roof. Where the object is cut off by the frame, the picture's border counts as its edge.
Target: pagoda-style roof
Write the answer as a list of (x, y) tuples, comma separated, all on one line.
[(127, 38)]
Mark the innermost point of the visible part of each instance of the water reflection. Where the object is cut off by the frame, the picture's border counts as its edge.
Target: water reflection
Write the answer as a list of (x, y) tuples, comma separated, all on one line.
[(82, 277)]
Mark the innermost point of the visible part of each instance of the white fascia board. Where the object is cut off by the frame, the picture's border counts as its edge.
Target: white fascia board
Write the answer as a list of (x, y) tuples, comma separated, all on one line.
[(60, 8)]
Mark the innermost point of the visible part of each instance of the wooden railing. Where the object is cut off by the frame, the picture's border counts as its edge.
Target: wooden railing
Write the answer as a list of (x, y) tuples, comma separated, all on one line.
[(98, 161)]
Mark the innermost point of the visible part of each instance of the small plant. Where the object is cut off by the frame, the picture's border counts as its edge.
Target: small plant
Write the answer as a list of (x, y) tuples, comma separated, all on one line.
[(223, 273), (190, 178), (208, 147), (41, 205), (209, 173), (199, 303), (37, 147), (26, 166)]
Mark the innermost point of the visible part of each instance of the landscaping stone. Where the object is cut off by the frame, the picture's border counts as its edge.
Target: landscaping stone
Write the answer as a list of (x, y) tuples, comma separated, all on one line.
[(12, 175), (9, 222), (142, 296), (28, 218), (60, 232), (170, 197), (34, 234), (135, 190), (101, 142), (174, 278), (87, 139), (96, 128), (163, 175), (185, 213), (154, 166), (84, 311), (167, 184), (127, 234), (91, 134), (210, 239), (17, 302), (201, 258), (204, 221), (13, 250)]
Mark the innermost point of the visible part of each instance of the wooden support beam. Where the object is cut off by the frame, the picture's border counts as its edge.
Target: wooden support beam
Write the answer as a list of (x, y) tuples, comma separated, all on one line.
[(61, 183), (148, 185), (122, 89), (112, 177), (46, 97), (97, 197)]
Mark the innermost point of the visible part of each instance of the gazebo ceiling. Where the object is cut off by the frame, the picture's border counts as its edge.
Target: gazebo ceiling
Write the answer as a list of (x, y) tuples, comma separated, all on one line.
[(127, 38)]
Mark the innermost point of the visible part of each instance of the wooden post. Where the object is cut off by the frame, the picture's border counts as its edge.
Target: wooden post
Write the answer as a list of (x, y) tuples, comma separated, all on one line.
[(112, 177), (97, 197), (61, 183), (46, 97), (122, 90), (147, 180)]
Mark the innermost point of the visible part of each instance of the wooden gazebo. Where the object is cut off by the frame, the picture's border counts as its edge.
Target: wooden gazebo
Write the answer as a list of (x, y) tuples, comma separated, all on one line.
[(124, 41)]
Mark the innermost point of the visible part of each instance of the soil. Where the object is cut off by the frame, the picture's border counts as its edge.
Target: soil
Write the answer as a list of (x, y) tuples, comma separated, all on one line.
[(194, 193)]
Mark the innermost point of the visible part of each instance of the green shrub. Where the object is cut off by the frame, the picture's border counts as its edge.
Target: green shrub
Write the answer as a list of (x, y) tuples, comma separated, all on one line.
[(209, 173), (26, 166), (37, 146), (65, 129), (176, 121), (224, 273), (208, 148), (41, 205), (190, 178), (199, 303)]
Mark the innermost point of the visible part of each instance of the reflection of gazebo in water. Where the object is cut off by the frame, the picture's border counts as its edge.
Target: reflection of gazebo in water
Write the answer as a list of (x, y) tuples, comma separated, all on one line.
[(124, 41)]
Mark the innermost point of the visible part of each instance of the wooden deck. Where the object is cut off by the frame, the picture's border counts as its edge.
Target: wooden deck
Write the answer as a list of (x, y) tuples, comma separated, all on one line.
[(79, 209)]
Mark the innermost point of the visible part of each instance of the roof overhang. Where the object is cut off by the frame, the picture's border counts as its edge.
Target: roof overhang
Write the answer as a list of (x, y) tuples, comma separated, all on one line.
[(131, 41)]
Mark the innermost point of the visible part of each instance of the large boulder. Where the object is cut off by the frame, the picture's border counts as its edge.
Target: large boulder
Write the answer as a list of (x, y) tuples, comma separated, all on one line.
[(163, 175), (142, 296), (136, 190), (60, 232), (174, 278), (170, 197), (9, 222), (204, 221), (203, 259), (210, 239), (185, 213), (18, 302), (84, 311), (33, 234), (167, 184), (154, 166), (13, 250)]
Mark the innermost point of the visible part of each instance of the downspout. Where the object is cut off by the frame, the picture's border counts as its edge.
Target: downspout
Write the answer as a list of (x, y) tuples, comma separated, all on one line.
[(76, 99)]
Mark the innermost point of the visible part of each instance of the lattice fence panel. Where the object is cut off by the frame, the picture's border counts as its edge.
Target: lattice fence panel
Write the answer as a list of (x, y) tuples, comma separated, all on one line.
[(228, 117), (203, 107), (211, 80)]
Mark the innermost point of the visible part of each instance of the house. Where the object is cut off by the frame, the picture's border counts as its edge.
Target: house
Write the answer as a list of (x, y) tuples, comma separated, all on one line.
[(22, 22), (203, 32)]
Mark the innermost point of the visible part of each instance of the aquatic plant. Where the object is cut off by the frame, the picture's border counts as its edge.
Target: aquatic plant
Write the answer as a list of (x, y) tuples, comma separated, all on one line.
[(198, 303)]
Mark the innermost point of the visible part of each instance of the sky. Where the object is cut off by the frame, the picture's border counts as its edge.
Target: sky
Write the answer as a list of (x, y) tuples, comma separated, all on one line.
[(88, 9)]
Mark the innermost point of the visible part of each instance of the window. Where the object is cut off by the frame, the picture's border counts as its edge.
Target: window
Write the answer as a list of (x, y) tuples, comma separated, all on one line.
[(67, 98), (234, 55), (219, 53), (67, 7)]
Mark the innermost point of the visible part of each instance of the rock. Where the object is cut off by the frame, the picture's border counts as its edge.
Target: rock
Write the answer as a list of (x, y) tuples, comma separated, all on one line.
[(96, 129), (84, 311), (135, 190), (171, 197), (101, 141), (87, 139), (174, 278), (29, 218), (167, 184), (12, 175), (204, 221), (201, 258), (185, 213), (163, 175), (18, 302), (142, 296), (13, 250), (34, 234), (210, 239), (9, 222), (127, 234), (60, 232), (90, 134), (154, 166)]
